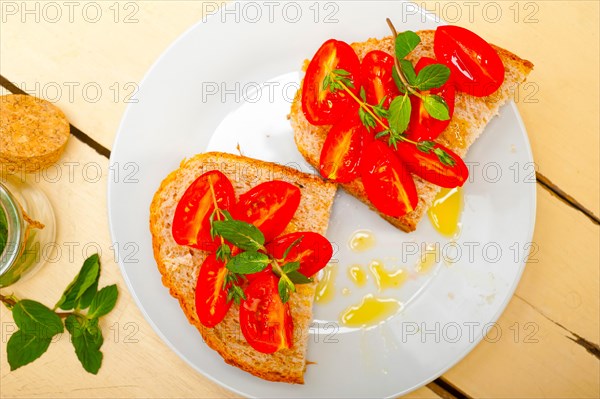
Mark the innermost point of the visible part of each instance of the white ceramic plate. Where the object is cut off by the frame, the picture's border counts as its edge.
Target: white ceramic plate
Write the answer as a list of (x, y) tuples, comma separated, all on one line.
[(229, 80)]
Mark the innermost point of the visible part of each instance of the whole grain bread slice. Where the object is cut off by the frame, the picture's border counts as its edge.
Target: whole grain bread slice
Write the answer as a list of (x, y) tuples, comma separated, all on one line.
[(180, 265), (471, 115)]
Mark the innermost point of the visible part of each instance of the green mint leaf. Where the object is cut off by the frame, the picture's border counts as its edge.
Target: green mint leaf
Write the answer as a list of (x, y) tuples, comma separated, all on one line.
[(36, 319), (363, 94), (298, 278), (84, 279), (444, 157), (425, 146), (23, 348), (382, 134), (236, 293), (243, 235), (326, 82), (87, 340), (341, 72), (285, 287), (409, 71), (290, 267), (432, 76), (436, 107), (292, 245), (406, 43), (104, 301), (398, 81), (89, 294), (367, 119), (223, 252), (248, 262), (380, 111), (399, 114)]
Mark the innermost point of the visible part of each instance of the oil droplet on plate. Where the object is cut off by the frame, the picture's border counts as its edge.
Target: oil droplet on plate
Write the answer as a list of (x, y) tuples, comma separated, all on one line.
[(428, 259), (326, 286), (346, 291), (385, 278), (361, 240), (446, 210), (369, 311), (357, 275)]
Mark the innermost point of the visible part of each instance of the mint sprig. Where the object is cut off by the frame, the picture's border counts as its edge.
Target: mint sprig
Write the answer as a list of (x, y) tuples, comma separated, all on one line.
[(253, 258), (38, 324), (400, 109), (412, 84), (409, 83), (334, 80)]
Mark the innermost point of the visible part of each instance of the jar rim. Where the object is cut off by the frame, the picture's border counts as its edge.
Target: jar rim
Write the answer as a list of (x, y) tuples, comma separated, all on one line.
[(16, 227)]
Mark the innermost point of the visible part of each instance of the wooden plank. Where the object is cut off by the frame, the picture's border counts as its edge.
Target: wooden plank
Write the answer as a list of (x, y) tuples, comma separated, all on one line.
[(136, 361), (532, 358), (562, 280), (422, 393), (87, 67), (569, 160)]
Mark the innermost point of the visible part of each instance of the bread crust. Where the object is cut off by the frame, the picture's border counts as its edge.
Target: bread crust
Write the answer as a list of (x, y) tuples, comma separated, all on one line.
[(471, 115), (179, 266)]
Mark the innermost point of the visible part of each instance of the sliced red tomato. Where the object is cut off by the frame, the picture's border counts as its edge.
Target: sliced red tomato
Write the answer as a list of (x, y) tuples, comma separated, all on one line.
[(191, 222), (387, 183), (211, 298), (430, 168), (475, 66), (265, 321), (313, 251), (342, 150), (423, 126), (320, 105), (376, 73), (270, 206)]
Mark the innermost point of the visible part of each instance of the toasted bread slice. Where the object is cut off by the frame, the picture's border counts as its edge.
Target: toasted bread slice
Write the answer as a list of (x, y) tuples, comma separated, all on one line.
[(471, 115), (180, 265)]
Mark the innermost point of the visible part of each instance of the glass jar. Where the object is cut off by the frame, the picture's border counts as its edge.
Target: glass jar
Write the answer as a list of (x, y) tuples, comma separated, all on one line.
[(27, 228)]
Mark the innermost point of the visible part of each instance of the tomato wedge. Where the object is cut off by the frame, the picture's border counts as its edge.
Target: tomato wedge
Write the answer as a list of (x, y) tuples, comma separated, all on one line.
[(319, 104), (422, 126), (313, 251), (270, 206), (376, 73), (191, 222), (387, 183), (211, 298), (342, 150), (265, 321), (430, 168), (475, 66)]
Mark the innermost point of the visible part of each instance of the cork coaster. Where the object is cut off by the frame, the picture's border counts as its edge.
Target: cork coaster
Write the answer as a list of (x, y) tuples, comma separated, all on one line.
[(33, 133)]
